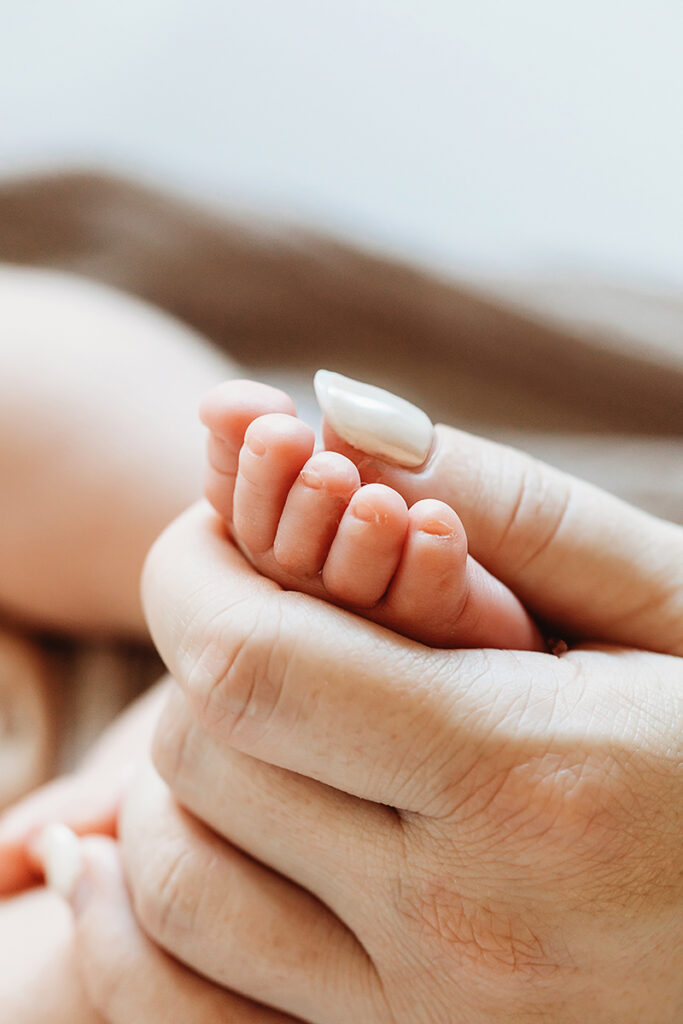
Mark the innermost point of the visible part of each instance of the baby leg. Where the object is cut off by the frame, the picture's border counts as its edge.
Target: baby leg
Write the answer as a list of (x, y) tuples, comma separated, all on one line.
[(100, 446)]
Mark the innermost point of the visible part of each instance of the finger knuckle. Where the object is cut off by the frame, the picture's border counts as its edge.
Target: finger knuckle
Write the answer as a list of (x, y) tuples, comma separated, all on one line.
[(155, 574), (587, 820), (539, 508), (235, 680), (625, 844), (166, 897), (172, 747)]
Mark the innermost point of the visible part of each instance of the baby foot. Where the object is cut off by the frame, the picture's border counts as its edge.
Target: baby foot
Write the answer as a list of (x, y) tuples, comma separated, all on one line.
[(304, 520)]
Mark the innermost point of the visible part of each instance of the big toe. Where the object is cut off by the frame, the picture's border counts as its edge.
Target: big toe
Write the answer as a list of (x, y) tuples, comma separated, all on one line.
[(228, 410)]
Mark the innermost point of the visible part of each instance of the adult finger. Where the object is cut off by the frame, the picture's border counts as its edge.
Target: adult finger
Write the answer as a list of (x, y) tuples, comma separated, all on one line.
[(312, 688), (127, 977), (87, 803), (326, 841), (234, 921), (578, 557)]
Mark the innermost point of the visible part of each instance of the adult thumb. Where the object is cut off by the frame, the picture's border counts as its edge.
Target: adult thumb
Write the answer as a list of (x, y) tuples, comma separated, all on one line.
[(582, 561)]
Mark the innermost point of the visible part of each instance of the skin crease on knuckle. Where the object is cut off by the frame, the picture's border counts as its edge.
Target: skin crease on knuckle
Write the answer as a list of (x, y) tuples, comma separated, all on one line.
[(237, 680), (171, 740), (591, 822), (535, 490), (169, 749), (166, 892)]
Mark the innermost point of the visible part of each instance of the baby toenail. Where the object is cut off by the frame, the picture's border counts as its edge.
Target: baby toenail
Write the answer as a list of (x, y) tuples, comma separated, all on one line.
[(437, 528), (311, 479), (255, 445), (367, 513)]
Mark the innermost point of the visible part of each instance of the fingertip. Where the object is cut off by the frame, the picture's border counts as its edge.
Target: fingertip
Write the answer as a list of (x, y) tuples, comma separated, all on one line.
[(374, 469), (339, 473), (58, 849), (435, 518), (375, 420), (278, 427), (379, 501), (371, 469), (84, 871), (335, 443)]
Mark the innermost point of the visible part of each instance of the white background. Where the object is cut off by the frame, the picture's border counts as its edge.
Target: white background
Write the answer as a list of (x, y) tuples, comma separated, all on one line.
[(486, 135)]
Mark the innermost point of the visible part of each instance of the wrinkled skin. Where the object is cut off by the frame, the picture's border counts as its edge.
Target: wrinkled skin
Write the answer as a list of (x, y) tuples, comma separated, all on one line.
[(350, 826), (471, 835)]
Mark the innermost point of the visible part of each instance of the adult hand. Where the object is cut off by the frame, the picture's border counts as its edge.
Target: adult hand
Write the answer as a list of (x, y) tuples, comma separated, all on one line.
[(414, 835)]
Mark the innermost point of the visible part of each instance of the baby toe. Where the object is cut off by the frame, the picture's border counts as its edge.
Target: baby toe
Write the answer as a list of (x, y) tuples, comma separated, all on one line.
[(275, 449), (227, 410), (312, 513), (367, 547)]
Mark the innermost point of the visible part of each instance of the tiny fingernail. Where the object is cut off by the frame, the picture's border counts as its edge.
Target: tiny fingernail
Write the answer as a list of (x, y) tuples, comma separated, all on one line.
[(367, 513), (60, 852), (311, 479), (255, 445), (437, 528)]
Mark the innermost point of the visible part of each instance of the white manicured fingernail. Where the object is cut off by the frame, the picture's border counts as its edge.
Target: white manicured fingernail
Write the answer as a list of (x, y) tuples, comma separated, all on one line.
[(60, 852), (374, 420)]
